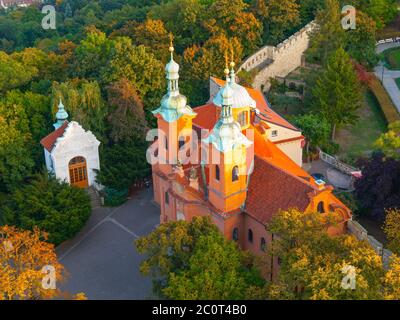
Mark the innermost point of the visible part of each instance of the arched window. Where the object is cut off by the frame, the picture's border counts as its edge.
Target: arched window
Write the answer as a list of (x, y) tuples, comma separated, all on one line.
[(263, 244), (217, 173), (250, 236), (166, 143), (181, 142), (235, 173), (166, 198), (320, 207), (242, 118), (235, 234)]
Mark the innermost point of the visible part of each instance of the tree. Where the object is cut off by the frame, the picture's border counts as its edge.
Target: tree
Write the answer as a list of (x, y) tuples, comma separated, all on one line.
[(127, 120), (23, 254), (53, 206), (278, 17), (150, 33), (84, 103), (119, 173), (15, 161), (382, 11), (360, 42), (192, 260), (378, 188), (13, 74), (313, 264), (26, 262), (328, 35), (136, 64), (337, 92), (389, 142), (315, 129), (392, 229)]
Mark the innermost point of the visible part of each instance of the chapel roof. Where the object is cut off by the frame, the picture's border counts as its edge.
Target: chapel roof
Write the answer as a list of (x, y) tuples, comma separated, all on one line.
[(49, 141)]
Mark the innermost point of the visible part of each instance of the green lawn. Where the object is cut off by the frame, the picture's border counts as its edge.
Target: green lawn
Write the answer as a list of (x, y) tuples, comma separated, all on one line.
[(397, 82), (357, 140), (392, 58)]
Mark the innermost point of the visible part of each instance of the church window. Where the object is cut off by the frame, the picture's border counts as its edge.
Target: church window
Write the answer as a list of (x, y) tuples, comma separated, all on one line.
[(320, 207), (242, 118), (166, 198), (274, 133), (181, 142), (250, 236), (235, 174), (217, 173), (235, 234), (263, 245), (166, 143)]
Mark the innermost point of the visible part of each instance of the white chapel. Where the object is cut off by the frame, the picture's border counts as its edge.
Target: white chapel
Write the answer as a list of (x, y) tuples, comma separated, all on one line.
[(71, 152)]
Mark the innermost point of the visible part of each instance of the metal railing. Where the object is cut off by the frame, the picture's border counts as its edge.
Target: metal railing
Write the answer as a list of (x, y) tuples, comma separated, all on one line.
[(341, 166)]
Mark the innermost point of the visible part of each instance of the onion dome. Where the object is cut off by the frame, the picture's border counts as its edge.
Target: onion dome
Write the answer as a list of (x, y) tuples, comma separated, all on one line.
[(61, 115)]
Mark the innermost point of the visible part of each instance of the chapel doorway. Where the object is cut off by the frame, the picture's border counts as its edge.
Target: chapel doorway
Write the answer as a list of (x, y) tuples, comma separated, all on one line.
[(78, 172)]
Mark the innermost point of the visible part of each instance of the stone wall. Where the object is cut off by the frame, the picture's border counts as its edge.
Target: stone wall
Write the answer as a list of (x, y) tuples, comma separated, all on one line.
[(280, 60), (362, 234)]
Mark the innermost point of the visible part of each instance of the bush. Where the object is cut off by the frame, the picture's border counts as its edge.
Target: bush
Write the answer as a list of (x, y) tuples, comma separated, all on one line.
[(114, 198), (387, 106), (52, 206)]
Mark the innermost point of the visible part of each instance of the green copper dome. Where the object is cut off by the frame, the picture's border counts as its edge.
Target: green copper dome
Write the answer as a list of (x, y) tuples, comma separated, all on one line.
[(173, 104), (61, 115)]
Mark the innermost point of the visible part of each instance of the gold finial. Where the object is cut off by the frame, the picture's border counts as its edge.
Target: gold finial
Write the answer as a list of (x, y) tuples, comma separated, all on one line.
[(171, 43), (226, 71), (232, 64)]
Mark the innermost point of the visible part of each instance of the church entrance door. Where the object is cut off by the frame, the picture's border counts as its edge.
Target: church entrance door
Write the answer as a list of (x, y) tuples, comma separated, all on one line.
[(78, 172)]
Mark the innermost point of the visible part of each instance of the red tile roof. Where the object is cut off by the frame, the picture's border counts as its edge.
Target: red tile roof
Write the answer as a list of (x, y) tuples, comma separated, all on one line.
[(49, 141), (206, 116), (272, 189), (263, 105)]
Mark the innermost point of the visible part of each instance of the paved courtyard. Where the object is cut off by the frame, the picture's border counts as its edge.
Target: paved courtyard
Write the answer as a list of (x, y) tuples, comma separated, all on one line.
[(102, 260)]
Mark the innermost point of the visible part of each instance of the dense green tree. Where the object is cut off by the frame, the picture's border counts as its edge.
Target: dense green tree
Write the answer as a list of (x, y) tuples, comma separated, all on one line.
[(360, 42), (278, 17), (84, 103), (329, 35), (15, 160), (51, 205), (127, 119), (315, 128), (123, 164), (192, 260), (337, 92), (13, 74)]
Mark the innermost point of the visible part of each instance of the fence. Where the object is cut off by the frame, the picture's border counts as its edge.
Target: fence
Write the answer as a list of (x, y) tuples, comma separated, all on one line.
[(341, 166), (389, 40)]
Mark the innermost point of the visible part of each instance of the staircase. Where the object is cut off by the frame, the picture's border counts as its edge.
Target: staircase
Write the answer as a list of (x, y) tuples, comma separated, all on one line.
[(95, 198)]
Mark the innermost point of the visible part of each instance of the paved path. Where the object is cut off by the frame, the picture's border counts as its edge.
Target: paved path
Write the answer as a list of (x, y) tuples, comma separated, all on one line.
[(387, 77), (102, 260), (389, 83), (382, 47)]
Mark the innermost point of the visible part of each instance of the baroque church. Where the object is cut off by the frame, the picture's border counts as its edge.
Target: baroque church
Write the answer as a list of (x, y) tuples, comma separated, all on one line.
[(259, 168)]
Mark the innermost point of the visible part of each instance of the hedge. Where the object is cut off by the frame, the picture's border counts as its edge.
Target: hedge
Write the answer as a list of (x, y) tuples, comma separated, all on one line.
[(387, 106)]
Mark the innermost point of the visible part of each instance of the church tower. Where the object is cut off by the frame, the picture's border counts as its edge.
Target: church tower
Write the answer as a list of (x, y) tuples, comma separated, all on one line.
[(227, 155), (174, 118)]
